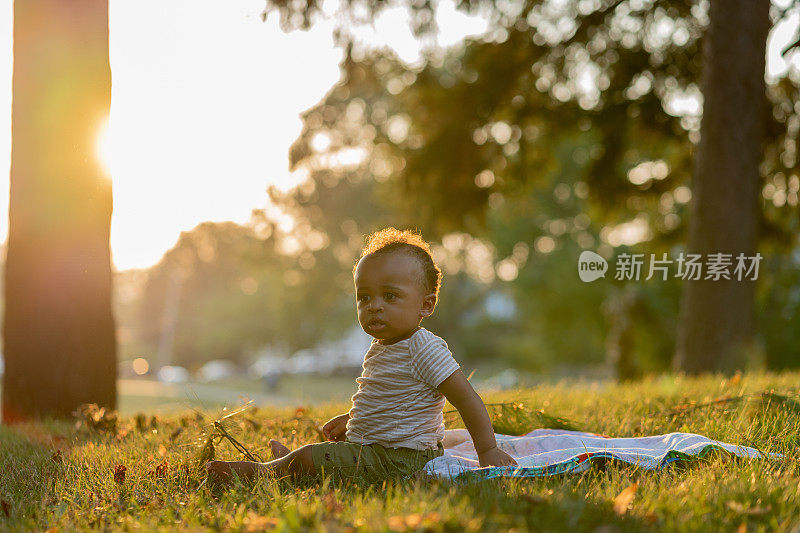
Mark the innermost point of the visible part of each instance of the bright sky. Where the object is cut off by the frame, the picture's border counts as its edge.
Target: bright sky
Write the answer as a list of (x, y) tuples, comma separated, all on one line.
[(205, 104)]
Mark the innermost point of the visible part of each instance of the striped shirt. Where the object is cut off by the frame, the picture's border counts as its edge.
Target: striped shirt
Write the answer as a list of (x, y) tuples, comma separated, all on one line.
[(397, 404)]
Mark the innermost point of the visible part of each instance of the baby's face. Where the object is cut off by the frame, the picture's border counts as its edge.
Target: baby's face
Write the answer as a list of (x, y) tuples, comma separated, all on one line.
[(390, 298)]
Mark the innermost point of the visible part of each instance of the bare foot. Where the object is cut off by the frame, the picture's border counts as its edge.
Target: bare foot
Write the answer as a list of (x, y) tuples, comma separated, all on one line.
[(218, 472), (278, 449)]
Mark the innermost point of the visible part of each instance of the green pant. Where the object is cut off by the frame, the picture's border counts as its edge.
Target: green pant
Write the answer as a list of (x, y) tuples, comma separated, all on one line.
[(369, 462)]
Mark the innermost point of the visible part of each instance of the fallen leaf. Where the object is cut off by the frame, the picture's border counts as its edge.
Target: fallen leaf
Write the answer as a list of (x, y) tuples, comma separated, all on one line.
[(624, 499), (396, 523), (6, 508), (413, 520), (331, 504), (161, 469), (256, 522), (162, 450), (433, 517), (119, 474)]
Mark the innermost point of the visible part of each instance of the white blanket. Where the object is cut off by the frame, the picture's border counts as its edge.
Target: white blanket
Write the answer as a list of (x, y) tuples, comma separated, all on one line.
[(545, 452)]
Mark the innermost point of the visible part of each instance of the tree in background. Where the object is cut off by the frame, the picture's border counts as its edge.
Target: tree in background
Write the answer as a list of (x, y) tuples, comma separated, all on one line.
[(58, 332), (238, 289), (717, 321), (561, 126)]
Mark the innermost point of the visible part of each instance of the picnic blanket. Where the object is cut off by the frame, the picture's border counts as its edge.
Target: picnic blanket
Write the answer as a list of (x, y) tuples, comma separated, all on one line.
[(547, 452)]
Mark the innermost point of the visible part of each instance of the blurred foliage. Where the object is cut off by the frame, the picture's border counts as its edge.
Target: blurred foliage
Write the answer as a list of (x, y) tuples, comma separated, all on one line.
[(567, 126), (232, 293)]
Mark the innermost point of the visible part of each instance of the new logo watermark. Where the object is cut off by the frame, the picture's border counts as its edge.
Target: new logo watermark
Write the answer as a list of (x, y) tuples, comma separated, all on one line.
[(591, 266), (713, 267)]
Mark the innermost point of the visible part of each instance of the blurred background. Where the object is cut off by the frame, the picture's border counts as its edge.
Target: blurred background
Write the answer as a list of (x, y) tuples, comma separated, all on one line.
[(252, 150)]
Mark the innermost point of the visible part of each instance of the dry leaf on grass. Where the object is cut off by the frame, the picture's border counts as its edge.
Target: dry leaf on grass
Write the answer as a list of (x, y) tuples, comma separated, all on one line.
[(256, 522), (160, 471), (331, 503), (735, 379), (119, 474), (624, 499), (396, 523)]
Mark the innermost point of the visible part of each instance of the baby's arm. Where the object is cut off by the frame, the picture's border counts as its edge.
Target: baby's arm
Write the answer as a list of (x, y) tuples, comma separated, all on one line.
[(460, 393)]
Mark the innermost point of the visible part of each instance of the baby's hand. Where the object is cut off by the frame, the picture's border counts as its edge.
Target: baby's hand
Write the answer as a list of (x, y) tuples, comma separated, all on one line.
[(335, 428), (496, 457)]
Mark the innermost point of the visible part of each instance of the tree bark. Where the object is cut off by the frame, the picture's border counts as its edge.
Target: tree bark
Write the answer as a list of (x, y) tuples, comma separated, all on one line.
[(60, 348), (716, 324)]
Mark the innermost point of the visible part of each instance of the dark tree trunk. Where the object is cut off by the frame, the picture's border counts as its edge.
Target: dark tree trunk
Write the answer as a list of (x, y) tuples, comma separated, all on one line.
[(716, 323), (60, 348)]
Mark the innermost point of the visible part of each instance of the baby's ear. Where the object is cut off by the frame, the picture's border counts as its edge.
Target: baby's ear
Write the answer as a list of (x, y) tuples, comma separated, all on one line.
[(428, 305)]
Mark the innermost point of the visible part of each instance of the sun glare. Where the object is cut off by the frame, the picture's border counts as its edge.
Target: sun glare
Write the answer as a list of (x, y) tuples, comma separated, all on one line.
[(104, 147)]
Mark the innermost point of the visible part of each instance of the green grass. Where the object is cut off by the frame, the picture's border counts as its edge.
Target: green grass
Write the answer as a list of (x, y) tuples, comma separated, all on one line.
[(56, 475)]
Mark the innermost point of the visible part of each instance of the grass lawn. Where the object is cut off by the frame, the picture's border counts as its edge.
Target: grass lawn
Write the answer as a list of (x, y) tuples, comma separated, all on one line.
[(62, 474)]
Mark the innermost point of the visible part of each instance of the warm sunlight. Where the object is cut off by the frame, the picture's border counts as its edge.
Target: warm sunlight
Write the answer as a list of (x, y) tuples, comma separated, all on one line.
[(203, 111), (104, 148)]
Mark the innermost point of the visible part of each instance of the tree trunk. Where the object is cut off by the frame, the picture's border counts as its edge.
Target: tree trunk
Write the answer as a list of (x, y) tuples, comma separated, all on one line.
[(716, 323), (60, 348)]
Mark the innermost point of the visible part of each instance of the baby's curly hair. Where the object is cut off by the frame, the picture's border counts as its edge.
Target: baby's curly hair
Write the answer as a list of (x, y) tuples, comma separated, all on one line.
[(394, 240)]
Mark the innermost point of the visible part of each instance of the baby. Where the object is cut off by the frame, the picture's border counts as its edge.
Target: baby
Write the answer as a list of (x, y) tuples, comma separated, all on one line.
[(395, 425)]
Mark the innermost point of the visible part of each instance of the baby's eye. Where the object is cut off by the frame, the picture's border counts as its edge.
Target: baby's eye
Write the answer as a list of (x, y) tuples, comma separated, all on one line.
[(362, 298), (389, 296)]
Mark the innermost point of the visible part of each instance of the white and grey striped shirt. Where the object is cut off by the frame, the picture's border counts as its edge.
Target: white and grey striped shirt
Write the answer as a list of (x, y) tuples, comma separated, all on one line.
[(397, 404)]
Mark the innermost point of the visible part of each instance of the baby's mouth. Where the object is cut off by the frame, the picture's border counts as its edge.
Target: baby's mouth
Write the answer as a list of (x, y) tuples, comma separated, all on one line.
[(375, 325)]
